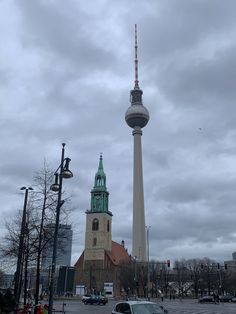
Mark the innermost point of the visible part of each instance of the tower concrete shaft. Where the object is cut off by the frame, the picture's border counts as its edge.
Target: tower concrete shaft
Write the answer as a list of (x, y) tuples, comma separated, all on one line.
[(139, 250)]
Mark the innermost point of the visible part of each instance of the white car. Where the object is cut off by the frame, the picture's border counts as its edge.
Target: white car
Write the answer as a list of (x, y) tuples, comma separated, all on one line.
[(86, 297), (138, 307)]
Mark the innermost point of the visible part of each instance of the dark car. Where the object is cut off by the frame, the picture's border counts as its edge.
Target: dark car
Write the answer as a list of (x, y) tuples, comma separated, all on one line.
[(138, 307), (226, 298), (96, 299), (206, 298)]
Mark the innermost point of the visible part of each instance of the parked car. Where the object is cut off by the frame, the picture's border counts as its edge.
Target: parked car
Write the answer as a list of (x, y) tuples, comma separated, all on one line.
[(96, 299), (226, 298), (206, 298), (138, 307)]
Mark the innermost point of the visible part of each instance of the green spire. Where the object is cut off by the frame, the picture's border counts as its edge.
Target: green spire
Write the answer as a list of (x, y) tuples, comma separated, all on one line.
[(99, 193), (100, 177)]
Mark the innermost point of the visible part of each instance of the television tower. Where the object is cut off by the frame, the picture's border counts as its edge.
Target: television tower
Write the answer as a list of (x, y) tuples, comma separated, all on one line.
[(137, 116)]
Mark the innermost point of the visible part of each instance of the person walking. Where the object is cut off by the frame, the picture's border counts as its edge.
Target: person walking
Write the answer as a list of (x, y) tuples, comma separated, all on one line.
[(1, 297), (162, 297), (8, 302)]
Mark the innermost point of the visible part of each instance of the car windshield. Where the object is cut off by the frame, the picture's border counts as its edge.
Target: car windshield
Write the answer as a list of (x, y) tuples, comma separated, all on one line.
[(147, 309)]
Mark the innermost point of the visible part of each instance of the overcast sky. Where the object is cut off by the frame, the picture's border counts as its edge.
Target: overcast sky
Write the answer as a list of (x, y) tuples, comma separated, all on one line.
[(66, 71)]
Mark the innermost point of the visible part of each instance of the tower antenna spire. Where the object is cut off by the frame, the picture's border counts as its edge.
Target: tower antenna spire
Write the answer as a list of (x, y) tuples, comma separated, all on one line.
[(136, 85)]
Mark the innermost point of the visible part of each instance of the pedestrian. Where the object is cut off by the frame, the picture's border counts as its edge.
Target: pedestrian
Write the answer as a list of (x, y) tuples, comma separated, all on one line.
[(162, 297), (170, 296), (45, 309), (1, 297), (39, 308), (8, 302)]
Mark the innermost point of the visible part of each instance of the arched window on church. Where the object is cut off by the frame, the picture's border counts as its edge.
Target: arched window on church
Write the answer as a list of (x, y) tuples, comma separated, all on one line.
[(98, 180), (94, 241), (108, 225), (95, 225)]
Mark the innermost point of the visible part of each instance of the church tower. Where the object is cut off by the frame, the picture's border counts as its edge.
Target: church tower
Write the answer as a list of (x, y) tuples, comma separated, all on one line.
[(98, 267), (98, 221)]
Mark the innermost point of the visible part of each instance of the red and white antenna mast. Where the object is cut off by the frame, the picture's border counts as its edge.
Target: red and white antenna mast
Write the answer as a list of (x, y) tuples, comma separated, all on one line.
[(136, 85)]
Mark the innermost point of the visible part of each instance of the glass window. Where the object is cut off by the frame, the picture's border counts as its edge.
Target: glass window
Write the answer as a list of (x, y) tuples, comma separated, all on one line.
[(147, 309), (126, 309), (123, 308), (118, 308)]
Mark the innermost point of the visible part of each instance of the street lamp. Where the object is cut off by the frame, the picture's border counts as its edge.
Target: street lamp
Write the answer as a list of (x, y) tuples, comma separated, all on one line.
[(148, 272), (18, 274), (65, 173)]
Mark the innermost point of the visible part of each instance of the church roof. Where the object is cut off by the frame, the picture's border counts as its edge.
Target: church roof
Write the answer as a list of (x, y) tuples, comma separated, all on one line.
[(118, 253)]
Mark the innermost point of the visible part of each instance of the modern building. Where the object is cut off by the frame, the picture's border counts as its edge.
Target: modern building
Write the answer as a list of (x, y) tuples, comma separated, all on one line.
[(65, 280), (137, 117), (234, 256), (98, 267), (231, 264), (65, 234)]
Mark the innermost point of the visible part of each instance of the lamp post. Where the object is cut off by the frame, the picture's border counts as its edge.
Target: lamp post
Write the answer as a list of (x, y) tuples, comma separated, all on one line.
[(148, 272), (18, 274), (37, 280), (65, 173), (26, 257)]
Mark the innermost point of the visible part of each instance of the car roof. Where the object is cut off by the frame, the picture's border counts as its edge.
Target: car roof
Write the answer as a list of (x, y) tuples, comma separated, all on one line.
[(137, 302)]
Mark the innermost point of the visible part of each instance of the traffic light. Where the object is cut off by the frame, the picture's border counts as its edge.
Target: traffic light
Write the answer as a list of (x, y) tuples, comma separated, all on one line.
[(202, 266), (168, 263), (226, 266), (218, 266)]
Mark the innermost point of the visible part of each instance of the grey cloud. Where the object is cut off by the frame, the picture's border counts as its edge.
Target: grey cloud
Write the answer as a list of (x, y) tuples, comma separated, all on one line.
[(68, 70)]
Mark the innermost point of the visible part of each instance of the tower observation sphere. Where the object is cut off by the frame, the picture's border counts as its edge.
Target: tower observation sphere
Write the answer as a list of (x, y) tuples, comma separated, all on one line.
[(137, 116)]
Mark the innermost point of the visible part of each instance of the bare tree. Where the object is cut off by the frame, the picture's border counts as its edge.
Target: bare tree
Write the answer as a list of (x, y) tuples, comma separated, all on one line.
[(41, 212), (127, 277), (194, 266)]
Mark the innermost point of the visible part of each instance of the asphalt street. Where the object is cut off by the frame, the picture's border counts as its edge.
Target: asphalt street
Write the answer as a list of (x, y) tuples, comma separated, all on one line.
[(173, 307)]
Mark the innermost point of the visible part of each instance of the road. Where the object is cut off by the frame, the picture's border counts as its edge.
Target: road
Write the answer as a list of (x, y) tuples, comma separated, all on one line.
[(173, 307)]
